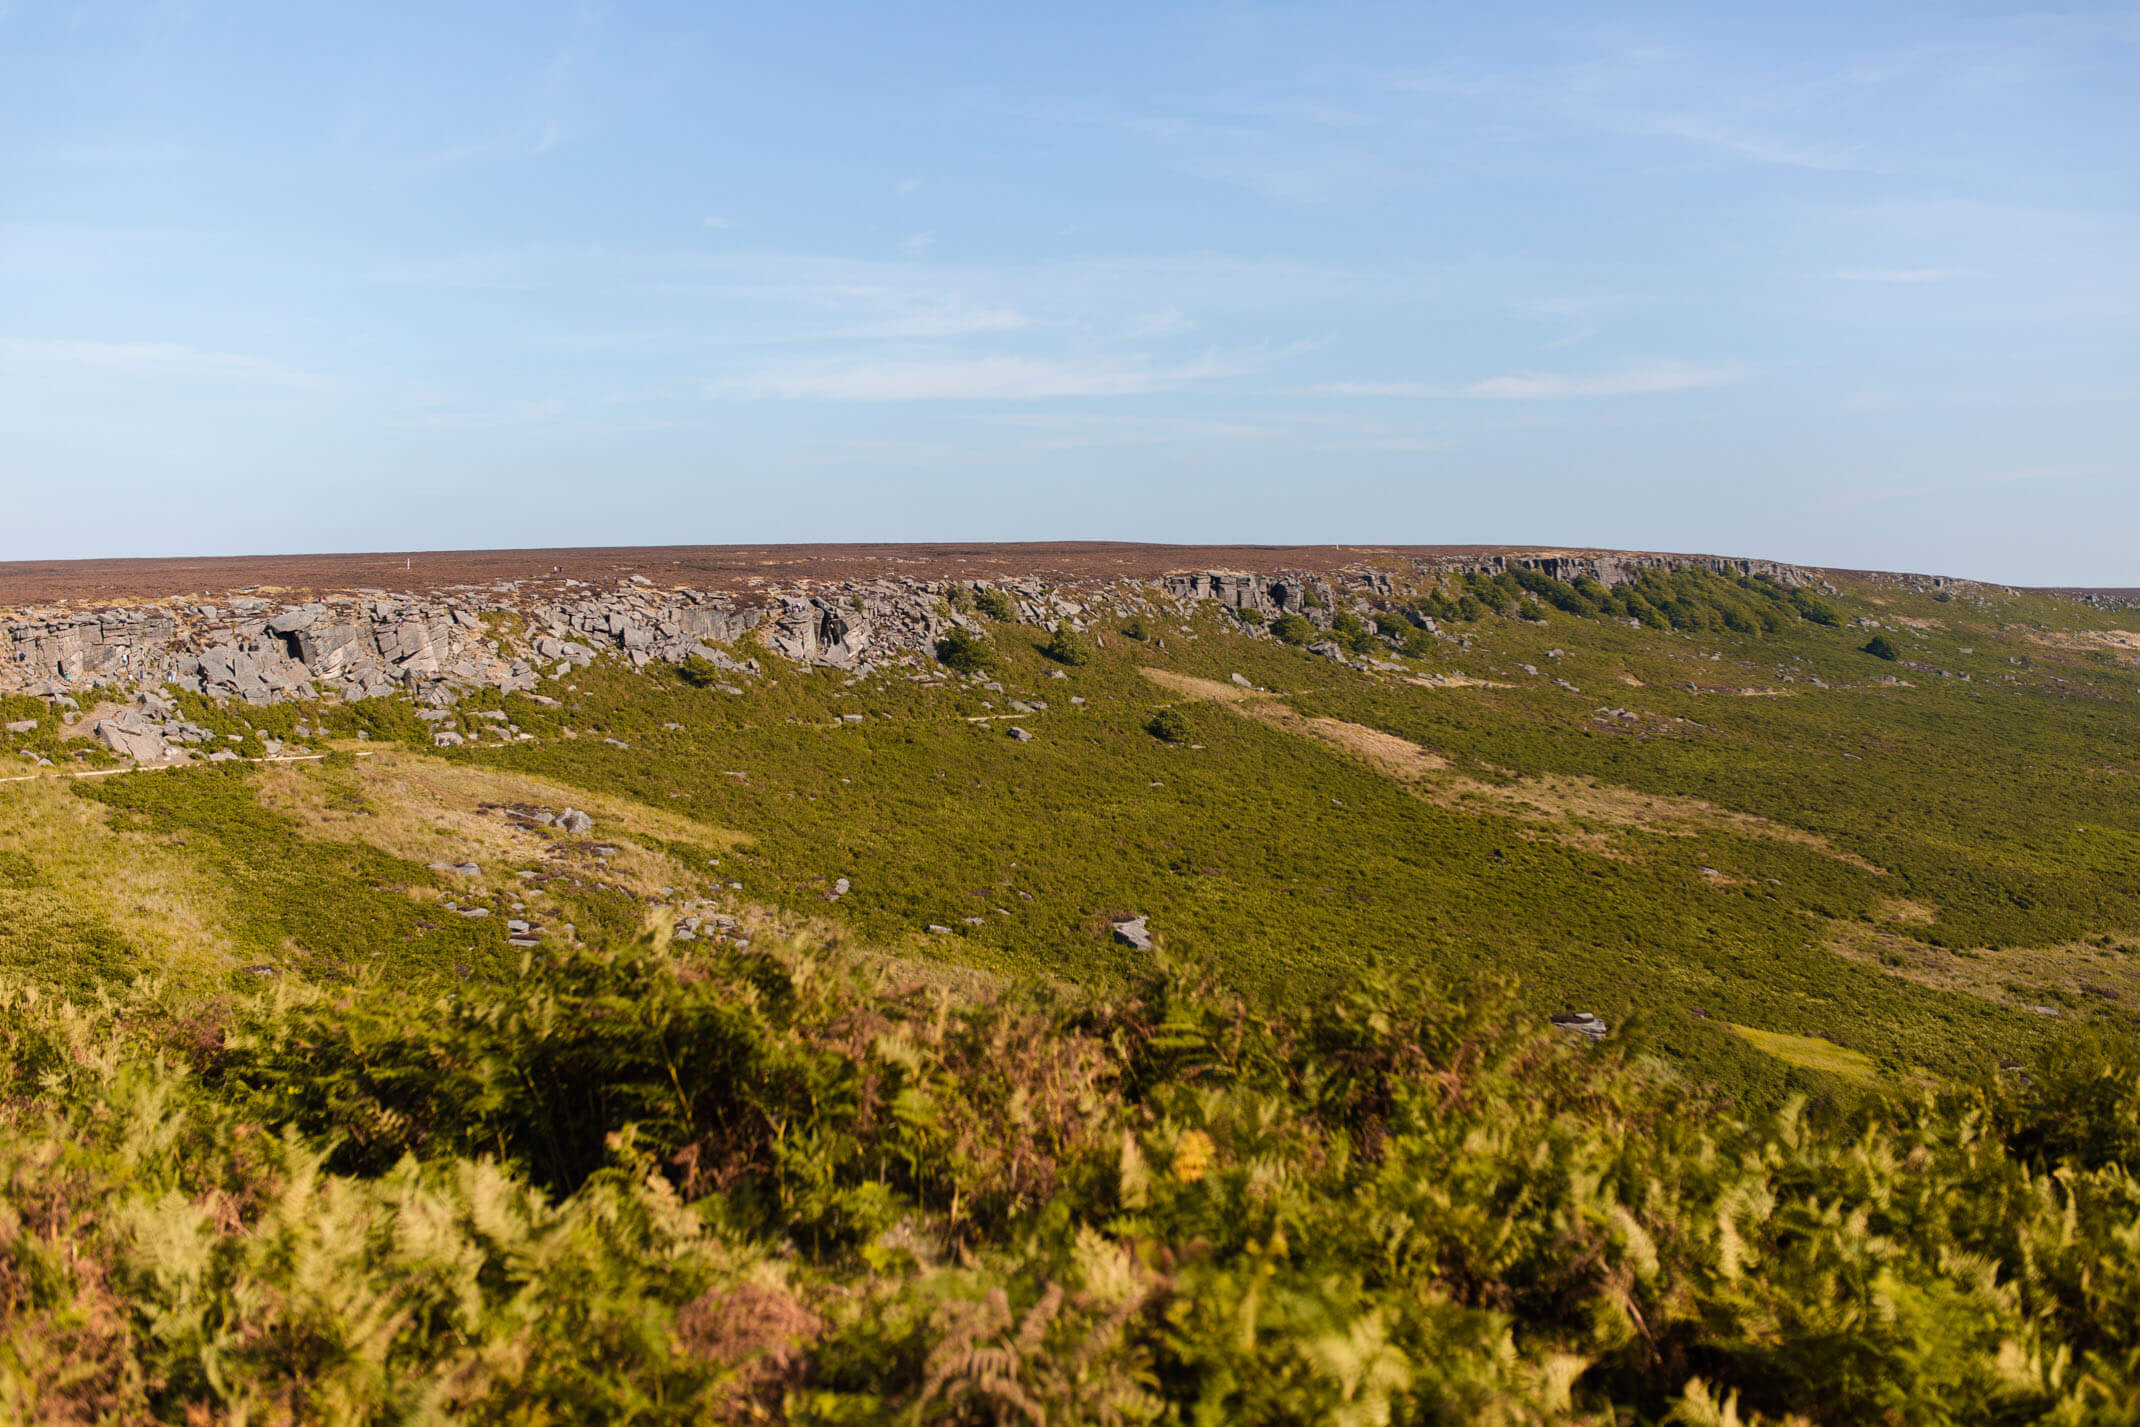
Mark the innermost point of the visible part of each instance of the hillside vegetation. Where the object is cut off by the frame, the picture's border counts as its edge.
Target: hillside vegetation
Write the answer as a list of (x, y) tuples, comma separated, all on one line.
[(809, 1081)]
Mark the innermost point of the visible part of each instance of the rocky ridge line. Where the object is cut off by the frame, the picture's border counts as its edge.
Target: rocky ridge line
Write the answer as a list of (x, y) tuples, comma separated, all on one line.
[(373, 643)]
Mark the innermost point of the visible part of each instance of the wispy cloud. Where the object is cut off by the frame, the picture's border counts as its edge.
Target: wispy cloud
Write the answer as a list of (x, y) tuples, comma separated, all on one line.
[(158, 359), (2046, 473), (969, 379), (1548, 386), (1903, 275), (717, 222), (1169, 322), (937, 322), (915, 244), (1838, 502), (906, 186), (1663, 93)]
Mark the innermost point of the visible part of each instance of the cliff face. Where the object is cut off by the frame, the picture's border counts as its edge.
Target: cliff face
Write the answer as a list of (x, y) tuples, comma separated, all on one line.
[(371, 643)]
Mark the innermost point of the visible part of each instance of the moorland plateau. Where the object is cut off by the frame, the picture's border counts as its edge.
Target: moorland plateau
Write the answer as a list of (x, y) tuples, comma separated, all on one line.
[(1067, 983)]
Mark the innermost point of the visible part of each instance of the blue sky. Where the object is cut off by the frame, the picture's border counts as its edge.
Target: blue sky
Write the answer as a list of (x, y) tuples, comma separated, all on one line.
[(1857, 285)]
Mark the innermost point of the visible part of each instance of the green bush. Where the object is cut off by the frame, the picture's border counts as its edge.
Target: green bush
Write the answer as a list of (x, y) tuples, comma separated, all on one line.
[(1134, 628), (698, 671), (1067, 646), (963, 651), (1250, 615), (1879, 647), (1294, 630), (1352, 632), (1816, 610), (1168, 726), (995, 603)]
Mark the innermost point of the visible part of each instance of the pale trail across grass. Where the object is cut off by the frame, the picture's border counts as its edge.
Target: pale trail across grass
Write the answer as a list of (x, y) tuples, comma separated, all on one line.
[(1541, 797)]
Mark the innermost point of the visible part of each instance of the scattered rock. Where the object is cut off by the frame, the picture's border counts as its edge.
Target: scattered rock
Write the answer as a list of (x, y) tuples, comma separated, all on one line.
[(1021, 734), (574, 821), (1581, 1023), (1133, 933)]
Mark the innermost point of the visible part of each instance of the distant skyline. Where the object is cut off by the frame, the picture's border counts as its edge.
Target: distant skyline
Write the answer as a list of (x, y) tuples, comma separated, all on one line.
[(1849, 286)]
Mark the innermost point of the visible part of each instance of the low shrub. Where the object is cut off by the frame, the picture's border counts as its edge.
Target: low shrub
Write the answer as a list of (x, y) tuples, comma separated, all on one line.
[(1067, 646), (964, 652), (1168, 726), (1295, 630)]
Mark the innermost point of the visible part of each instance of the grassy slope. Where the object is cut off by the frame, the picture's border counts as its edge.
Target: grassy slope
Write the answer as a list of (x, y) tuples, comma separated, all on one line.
[(1999, 810)]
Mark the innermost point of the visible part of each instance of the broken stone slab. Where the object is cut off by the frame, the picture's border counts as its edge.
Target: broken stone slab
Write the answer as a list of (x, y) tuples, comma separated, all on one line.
[(1132, 932), (1581, 1023), (936, 929), (572, 820), (1023, 735), (137, 744), (23, 725)]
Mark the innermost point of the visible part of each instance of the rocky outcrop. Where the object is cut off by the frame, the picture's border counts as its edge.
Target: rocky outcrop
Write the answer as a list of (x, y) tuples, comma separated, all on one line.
[(364, 644)]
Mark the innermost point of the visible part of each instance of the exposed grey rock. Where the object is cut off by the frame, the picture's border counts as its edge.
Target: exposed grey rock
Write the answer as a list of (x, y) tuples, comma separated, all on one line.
[(572, 820), (1021, 734), (1580, 1023), (1133, 933), (135, 742), (23, 725), (936, 930)]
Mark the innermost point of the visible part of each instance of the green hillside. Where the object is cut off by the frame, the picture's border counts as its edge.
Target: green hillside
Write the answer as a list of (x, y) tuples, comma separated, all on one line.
[(811, 1080)]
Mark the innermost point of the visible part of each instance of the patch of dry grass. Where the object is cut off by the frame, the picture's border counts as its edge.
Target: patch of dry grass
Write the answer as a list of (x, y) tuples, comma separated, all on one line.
[(144, 886), (1546, 798), (2071, 977), (428, 810), (1810, 1053)]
